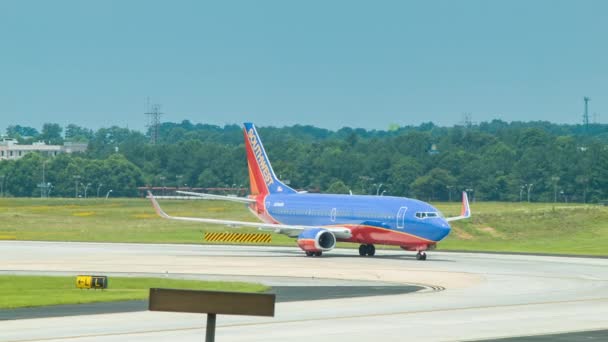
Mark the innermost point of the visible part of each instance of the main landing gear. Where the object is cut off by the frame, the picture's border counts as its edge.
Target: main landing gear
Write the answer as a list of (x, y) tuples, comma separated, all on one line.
[(313, 253), (421, 255), (367, 250)]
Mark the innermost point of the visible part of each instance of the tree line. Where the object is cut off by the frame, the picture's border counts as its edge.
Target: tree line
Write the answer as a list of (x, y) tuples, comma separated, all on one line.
[(494, 161)]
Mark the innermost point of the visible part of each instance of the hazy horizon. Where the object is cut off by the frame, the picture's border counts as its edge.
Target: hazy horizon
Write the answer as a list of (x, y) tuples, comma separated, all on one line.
[(240, 124)]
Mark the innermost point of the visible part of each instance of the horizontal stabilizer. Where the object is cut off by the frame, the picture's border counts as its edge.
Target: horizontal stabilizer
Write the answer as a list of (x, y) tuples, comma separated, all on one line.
[(216, 197)]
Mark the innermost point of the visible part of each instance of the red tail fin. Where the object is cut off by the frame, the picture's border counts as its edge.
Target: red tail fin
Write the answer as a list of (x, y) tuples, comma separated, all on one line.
[(261, 176)]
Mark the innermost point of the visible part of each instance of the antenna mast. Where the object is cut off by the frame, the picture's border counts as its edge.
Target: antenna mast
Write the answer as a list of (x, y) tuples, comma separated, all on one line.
[(586, 114), (154, 114)]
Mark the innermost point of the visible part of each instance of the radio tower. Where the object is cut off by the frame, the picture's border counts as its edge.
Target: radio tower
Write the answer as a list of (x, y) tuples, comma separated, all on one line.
[(467, 120), (153, 113), (586, 114)]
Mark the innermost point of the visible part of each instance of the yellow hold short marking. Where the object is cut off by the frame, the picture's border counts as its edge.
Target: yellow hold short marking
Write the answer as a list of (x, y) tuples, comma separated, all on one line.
[(238, 237)]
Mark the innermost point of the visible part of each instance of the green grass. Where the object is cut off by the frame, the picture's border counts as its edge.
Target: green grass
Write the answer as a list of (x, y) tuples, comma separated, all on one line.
[(511, 227), (115, 220), (533, 228), (30, 291)]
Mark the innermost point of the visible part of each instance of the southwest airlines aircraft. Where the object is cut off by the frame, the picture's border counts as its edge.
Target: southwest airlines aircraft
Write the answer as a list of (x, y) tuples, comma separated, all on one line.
[(319, 220)]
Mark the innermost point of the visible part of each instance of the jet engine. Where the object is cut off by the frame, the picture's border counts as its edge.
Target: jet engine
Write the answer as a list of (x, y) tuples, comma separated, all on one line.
[(317, 240)]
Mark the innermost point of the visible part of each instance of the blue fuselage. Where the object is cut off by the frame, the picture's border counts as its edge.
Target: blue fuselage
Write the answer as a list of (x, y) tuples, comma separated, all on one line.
[(397, 214)]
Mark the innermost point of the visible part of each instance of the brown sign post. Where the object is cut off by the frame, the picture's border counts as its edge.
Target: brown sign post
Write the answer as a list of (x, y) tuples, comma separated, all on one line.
[(212, 303)]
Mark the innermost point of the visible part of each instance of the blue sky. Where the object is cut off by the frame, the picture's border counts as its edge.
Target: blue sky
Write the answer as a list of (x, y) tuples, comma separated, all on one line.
[(326, 63)]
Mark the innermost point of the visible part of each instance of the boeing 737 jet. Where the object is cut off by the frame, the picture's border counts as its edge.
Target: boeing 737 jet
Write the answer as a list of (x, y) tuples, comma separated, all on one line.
[(318, 221)]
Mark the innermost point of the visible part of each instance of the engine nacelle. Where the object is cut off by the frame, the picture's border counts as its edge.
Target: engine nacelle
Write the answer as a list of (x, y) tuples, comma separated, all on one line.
[(316, 240)]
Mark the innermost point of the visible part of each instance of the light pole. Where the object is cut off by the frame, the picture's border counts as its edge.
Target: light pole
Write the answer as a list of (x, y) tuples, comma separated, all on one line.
[(584, 181), (162, 180), (449, 187), (85, 189), (2, 186), (43, 188), (108, 193), (378, 189), (383, 191), (521, 190), (529, 189), (98, 188), (555, 179), (76, 178)]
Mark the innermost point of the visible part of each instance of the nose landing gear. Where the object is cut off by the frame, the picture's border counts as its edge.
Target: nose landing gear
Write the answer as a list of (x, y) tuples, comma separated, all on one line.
[(421, 255)]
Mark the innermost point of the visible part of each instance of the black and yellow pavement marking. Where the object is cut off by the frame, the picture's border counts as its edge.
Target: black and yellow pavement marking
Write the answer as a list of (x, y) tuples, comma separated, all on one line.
[(238, 237)]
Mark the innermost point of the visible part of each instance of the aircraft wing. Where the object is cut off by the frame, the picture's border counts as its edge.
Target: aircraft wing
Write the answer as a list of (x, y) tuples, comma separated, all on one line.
[(465, 212), (217, 197), (291, 230)]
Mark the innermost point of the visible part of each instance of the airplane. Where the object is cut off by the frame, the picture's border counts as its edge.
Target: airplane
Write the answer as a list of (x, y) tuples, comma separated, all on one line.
[(318, 221)]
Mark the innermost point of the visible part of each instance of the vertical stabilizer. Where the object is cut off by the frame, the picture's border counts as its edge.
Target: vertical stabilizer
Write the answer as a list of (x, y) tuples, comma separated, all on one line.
[(261, 176)]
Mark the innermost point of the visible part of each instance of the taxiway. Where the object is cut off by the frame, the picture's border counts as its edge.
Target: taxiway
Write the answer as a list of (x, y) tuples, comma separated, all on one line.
[(466, 296)]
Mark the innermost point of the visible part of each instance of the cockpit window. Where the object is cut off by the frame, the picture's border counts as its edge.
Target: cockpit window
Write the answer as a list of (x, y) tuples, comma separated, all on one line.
[(423, 215)]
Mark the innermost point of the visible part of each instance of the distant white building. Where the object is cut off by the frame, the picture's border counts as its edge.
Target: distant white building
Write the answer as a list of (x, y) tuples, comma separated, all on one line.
[(10, 149)]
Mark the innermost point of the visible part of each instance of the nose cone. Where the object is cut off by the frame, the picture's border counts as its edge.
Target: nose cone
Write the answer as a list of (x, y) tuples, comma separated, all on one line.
[(443, 229)]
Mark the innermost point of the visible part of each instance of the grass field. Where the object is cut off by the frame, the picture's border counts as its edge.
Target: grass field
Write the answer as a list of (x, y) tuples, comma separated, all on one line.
[(30, 291), (534, 228), (512, 227)]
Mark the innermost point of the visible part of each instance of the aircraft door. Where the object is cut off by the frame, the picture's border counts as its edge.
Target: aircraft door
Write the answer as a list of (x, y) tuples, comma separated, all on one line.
[(401, 217), (333, 215)]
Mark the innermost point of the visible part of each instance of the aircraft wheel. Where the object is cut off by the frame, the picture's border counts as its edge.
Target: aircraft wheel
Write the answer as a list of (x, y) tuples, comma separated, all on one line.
[(371, 250), (362, 250), (421, 255), (310, 253), (318, 253)]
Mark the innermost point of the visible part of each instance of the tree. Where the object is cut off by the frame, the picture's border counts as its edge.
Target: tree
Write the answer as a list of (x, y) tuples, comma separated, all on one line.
[(76, 133), (51, 134), (17, 131), (434, 185), (24, 175), (338, 187), (403, 173), (121, 176)]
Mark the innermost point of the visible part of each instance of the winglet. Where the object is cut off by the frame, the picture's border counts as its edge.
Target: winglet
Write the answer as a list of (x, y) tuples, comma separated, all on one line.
[(465, 211), (157, 207)]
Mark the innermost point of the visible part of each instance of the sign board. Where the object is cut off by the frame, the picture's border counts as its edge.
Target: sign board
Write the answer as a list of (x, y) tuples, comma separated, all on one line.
[(91, 282), (215, 302)]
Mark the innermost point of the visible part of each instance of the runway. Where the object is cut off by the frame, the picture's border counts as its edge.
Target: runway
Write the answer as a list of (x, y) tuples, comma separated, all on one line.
[(466, 296)]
